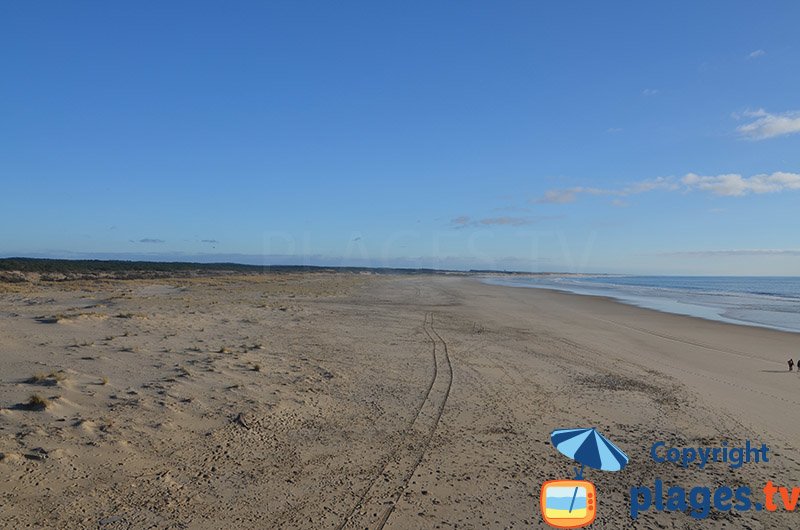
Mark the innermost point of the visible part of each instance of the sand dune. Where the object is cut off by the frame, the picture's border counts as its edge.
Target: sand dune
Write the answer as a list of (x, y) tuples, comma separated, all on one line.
[(351, 401)]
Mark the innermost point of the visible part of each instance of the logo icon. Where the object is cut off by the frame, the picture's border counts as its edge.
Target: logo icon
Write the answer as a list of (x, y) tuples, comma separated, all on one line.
[(568, 503), (573, 503)]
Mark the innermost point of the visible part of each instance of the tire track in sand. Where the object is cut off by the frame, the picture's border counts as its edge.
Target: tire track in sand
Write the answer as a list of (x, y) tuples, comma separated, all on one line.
[(378, 501)]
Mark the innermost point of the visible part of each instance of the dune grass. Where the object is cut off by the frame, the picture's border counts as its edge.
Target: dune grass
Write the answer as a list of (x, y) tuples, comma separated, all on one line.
[(51, 378), (37, 402)]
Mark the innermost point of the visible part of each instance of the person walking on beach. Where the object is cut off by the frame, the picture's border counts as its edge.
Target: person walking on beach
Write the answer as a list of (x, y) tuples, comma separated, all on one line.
[(791, 365)]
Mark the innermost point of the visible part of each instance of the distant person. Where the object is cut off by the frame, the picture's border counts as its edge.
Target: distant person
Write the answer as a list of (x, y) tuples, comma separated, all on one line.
[(791, 365)]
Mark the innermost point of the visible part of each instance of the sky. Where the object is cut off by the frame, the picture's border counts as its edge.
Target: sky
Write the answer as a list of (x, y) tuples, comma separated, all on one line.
[(622, 137)]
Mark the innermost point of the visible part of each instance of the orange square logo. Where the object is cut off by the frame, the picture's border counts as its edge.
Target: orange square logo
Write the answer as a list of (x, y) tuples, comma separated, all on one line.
[(568, 503)]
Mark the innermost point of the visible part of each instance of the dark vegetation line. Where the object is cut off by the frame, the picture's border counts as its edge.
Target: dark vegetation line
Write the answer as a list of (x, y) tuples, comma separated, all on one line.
[(123, 268), (41, 265)]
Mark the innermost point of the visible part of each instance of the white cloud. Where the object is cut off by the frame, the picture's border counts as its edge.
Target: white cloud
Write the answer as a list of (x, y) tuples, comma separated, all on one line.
[(650, 91), (766, 125), (729, 185), (736, 185), (755, 54)]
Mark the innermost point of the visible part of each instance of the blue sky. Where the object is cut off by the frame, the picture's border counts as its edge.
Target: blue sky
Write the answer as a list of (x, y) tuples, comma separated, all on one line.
[(580, 136)]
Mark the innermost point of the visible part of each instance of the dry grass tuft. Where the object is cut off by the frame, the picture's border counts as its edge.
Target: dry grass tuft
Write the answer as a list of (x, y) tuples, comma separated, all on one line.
[(37, 402), (38, 378), (52, 319), (52, 378)]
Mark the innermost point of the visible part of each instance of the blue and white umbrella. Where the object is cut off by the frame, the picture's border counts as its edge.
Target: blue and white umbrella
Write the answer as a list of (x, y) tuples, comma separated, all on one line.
[(589, 448)]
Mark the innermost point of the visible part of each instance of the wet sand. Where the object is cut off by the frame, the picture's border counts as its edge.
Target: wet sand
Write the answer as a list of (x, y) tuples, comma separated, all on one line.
[(362, 401)]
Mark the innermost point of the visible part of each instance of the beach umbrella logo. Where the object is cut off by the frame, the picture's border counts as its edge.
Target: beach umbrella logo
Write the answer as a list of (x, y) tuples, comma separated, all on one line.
[(573, 503)]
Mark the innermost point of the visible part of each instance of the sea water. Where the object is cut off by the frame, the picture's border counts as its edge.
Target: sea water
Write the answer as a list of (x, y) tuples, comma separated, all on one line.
[(771, 302)]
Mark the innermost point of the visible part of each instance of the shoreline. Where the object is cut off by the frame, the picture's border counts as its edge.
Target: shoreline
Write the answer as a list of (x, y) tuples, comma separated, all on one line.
[(693, 310)]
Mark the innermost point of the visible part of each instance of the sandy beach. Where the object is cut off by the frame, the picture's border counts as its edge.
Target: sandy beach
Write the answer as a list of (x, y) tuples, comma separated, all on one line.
[(344, 401)]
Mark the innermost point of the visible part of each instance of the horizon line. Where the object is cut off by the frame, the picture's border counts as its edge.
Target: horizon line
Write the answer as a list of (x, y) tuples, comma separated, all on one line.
[(210, 264)]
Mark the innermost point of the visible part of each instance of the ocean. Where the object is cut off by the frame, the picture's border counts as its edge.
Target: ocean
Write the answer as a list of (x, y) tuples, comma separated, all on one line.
[(771, 302)]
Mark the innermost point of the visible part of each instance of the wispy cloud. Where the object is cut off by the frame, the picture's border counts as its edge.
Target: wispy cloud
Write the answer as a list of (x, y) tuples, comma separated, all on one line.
[(460, 221), (511, 208), (755, 54), (509, 221), (737, 185), (731, 185), (465, 221), (568, 195), (765, 125), (650, 92), (732, 252), (149, 240), (210, 241)]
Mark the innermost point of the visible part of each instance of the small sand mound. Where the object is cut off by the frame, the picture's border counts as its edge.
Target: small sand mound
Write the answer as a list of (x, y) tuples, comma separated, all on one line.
[(92, 316), (12, 458), (87, 426)]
